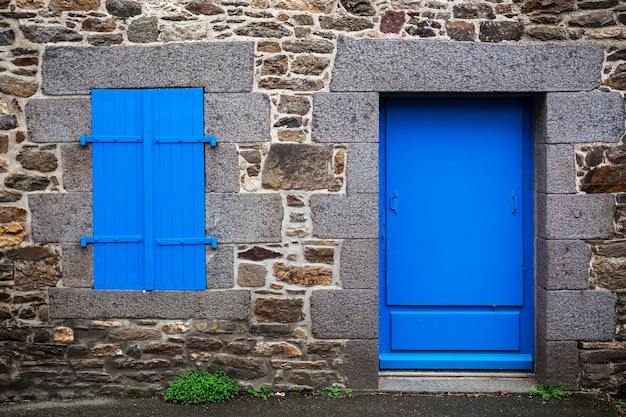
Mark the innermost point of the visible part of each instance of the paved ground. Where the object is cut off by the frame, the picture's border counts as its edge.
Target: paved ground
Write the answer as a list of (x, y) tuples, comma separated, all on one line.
[(299, 405)]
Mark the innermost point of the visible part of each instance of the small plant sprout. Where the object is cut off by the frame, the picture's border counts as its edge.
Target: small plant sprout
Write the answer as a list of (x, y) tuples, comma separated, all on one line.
[(264, 392), (197, 387), (336, 392), (547, 391)]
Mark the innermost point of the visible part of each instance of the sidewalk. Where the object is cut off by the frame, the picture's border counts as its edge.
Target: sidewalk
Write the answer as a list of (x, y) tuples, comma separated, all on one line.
[(300, 405)]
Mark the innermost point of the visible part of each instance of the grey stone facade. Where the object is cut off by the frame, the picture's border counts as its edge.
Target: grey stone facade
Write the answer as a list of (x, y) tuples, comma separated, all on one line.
[(292, 290)]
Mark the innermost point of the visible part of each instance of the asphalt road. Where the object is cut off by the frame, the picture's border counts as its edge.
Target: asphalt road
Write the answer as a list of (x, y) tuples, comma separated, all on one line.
[(299, 405)]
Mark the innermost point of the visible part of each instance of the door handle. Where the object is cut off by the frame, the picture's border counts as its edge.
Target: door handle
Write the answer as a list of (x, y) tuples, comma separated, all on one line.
[(394, 201), (513, 202)]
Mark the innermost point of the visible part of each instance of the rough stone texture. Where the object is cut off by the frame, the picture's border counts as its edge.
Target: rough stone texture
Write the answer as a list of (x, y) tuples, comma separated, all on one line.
[(294, 105), (68, 70), (461, 31), (279, 310), (51, 34), (37, 161), (562, 264), (76, 164), (251, 275), (298, 167), (123, 8), (206, 305), (605, 179), (361, 168), (105, 40), (392, 21), (557, 362), (295, 84), (263, 30), (473, 11), (319, 255), (237, 117), (12, 234), (17, 86), (303, 275), (10, 214), (361, 364), (58, 120), (609, 273), (25, 182), (581, 117), (282, 349), (345, 117), (344, 314), (8, 122), (345, 23), (359, 264), (77, 266), (204, 7), (345, 216), (400, 65), (259, 217), (143, 30), (60, 217), (576, 315), (239, 368), (317, 46), (575, 216), (257, 253), (221, 168), (309, 65), (220, 267), (556, 169), (84, 5), (501, 31)]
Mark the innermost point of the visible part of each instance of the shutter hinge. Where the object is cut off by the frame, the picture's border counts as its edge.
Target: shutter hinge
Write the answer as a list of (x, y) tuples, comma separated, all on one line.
[(84, 139), (186, 139), (188, 241), (85, 240)]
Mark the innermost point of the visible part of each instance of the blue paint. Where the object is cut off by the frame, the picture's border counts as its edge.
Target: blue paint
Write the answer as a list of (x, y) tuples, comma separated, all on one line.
[(456, 234), (149, 227)]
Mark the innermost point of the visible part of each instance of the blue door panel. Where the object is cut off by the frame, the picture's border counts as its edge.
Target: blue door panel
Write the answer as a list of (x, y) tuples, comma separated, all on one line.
[(148, 183), (456, 234), (455, 330)]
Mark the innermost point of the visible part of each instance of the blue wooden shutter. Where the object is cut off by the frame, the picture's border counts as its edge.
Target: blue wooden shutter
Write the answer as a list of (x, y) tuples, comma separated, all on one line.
[(148, 186)]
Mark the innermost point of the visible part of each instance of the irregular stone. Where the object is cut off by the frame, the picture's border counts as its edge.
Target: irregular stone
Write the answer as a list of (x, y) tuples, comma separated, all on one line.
[(25, 182), (195, 342), (294, 201), (296, 166), (17, 86), (320, 255), (473, 11), (38, 161), (501, 31), (123, 8), (270, 330), (133, 351), (461, 31), (12, 235), (105, 324), (30, 275), (11, 214), (269, 47), (282, 364), (204, 7), (87, 363), (288, 122), (359, 7), (141, 364), (263, 30), (297, 231), (110, 349), (594, 19), (345, 23), (175, 328), (421, 30), (597, 4), (50, 34), (605, 179), (251, 275), (547, 33), (325, 349), (316, 46), (318, 379), (66, 5), (75, 351), (258, 253), (143, 30), (63, 335), (25, 62), (239, 368), (617, 155), (275, 65), (294, 105), (93, 24), (283, 349), (303, 275), (4, 144), (279, 310), (8, 122), (609, 273), (295, 84), (7, 37), (134, 334), (309, 65), (9, 196), (303, 19), (392, 21), (313, 6), (201, 356), (163, 349), (548, 6)]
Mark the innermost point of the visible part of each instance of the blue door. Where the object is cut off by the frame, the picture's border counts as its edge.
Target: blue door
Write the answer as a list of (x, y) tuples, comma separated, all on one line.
[(456, 234)]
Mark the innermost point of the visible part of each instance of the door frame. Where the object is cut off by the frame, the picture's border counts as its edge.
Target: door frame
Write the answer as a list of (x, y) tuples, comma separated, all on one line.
[(528, 231)]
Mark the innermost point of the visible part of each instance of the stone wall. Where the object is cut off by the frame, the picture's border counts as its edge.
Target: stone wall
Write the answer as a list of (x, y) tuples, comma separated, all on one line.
[(293, 303)]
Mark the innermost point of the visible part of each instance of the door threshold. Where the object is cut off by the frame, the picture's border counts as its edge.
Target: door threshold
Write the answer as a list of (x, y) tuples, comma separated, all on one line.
[(456, 382)]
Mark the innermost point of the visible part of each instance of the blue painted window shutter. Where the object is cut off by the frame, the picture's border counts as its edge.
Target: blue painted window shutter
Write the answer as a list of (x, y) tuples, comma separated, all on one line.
[(148, 189)]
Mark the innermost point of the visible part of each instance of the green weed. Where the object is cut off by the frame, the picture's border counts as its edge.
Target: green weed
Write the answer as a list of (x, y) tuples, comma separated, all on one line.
[(336, 392), (197, 387), (264, 392), (547, 391)]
